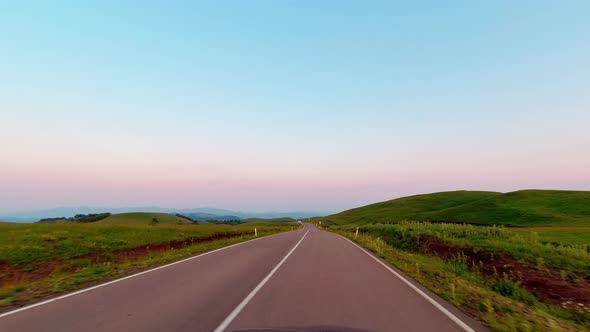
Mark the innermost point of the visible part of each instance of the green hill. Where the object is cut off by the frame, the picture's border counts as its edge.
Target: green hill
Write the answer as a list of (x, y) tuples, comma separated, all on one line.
[(144, 218), (519, 208)]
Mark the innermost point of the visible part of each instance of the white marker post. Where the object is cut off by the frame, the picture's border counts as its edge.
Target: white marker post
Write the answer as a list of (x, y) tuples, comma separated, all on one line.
[(255, 232), (357, 232)]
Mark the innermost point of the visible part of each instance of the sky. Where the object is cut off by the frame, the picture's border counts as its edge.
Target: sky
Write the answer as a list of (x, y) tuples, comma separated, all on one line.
[(289, 105)]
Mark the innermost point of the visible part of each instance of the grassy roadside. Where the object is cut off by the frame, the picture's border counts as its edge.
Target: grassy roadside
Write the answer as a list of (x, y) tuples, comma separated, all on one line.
[(559, 235), (40, 261), (440, 257)]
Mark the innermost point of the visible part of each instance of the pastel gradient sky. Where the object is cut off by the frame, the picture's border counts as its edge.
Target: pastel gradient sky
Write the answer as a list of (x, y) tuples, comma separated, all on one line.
[(289, 105)]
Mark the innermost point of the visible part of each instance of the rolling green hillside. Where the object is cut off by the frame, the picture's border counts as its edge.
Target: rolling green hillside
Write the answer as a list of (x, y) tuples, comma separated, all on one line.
[(519, 208), (144, 218)]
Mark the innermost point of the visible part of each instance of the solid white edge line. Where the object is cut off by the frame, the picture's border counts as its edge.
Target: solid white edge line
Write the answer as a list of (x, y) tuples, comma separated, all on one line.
[(437, 305), (247, 299), (128, 277)]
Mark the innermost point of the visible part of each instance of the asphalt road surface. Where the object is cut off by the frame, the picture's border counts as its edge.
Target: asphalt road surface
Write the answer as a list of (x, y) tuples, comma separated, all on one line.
[(304, 280)]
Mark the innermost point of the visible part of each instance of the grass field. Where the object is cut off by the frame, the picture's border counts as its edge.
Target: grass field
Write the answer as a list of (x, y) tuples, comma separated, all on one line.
[(145, 218), (563, 235), (519, 208), (40, 260)]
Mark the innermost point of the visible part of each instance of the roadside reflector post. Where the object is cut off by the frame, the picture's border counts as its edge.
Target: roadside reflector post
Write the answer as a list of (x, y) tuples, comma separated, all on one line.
[(255, 232), (357, 232)]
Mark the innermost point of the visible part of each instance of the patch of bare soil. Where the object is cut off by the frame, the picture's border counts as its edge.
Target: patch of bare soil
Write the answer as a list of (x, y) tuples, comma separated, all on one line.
[(138, 252), (545, 283), (10, 274)]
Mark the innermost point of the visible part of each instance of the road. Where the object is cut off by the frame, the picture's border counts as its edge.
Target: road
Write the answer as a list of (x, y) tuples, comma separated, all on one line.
[(308, 279)]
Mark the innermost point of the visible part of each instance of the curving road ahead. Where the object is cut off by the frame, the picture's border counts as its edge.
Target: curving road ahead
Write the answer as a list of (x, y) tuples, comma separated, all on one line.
[(307, 279)]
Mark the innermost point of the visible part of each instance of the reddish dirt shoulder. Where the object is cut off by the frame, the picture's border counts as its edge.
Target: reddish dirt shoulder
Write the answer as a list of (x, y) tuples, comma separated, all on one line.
[(545, 283)]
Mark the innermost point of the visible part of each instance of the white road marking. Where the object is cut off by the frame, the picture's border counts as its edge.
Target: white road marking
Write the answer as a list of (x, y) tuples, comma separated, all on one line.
[(125, 278), (437, 305), (244, 302)]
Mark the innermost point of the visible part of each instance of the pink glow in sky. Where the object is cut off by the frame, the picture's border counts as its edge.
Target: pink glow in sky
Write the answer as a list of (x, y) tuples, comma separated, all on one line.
[(198, 106)]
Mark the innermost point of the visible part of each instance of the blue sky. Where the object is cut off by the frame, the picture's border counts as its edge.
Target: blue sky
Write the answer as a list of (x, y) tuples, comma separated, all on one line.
[(289, 105)]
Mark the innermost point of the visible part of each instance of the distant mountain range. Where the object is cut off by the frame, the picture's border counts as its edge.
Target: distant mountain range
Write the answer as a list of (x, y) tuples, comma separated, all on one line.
[(201, 216), (197, 213)]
